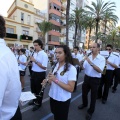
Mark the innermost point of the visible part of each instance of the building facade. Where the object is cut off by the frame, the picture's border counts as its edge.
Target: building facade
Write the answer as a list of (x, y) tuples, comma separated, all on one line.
[(21, 27)]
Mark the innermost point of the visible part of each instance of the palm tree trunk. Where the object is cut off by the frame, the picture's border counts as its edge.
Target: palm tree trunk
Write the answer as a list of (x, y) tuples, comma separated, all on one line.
[(89, 37), (105, 27), (97, 22), (76, 27), (67, 21)]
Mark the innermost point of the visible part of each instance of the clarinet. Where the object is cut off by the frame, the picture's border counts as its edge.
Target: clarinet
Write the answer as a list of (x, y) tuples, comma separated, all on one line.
[(46, 83)]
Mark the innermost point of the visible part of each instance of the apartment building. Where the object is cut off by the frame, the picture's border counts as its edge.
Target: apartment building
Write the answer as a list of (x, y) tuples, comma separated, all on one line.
[(21, 27)]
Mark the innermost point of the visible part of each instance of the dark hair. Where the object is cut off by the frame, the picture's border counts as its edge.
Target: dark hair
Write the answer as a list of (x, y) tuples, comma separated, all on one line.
[(32, 47), (2, 27), (118, 49), (109, 45), (23, 51), (76, 48), (68, 56), (39, 42)]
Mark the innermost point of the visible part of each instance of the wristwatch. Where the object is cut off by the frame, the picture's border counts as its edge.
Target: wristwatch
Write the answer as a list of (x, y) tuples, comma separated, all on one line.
[(36, 62)]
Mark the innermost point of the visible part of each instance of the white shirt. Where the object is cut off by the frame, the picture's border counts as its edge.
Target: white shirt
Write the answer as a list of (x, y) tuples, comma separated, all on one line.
[(99, 61), (113, 59), (22, 58), (78, 56), (42, 58), (10, 86), (58, 93)]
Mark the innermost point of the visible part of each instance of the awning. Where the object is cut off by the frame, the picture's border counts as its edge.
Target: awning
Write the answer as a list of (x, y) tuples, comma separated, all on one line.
[(53, 43)]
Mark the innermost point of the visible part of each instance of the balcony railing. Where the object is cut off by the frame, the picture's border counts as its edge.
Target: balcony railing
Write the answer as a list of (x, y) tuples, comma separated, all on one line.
[(11, 35), (26, 38)]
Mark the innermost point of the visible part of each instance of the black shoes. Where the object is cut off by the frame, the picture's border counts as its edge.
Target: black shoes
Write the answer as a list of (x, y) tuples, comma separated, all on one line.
[(36, 107), (103, 101), (88, 116), (31, 103), (82, 106)]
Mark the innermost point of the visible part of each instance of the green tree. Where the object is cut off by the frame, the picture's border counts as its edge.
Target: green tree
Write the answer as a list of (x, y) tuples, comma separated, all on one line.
[(76, 20), (44, 28), (98, 10)]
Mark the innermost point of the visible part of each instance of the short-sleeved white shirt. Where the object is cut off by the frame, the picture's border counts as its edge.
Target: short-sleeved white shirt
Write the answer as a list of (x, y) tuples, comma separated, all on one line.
[(78, 56), (99, 61), (58, 93), (42, 58), (10, 86), (113, 59), (23, 59)]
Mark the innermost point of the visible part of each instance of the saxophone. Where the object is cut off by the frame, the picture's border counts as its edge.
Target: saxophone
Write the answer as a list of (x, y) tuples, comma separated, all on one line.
[(104, 70)]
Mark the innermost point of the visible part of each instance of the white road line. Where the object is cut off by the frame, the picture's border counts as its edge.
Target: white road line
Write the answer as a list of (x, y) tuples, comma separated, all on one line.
[(44, 100)]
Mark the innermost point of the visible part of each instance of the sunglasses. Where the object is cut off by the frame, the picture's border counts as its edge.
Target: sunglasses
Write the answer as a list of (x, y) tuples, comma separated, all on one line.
[(108, 49)]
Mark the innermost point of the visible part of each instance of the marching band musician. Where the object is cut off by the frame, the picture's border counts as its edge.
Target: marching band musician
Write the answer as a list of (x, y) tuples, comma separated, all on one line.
[(30, 63), (62, 83), (77, 55), (116, 74), (39, 65), (93, 66), (22, 59), (112, 63)]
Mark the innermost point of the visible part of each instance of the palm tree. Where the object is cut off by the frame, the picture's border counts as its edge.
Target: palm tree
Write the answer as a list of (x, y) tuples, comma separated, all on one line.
[(98, 11), (118, 29), (110, 18), (76, 21), (44, 28), (89, 24), (67, 20)]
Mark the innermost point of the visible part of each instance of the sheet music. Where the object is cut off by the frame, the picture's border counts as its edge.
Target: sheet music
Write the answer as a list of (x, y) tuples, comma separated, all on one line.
[(26, 97), (104, 53)]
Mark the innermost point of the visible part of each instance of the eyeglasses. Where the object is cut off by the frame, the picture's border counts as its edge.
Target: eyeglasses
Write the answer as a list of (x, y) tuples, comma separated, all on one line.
[(108, 49)]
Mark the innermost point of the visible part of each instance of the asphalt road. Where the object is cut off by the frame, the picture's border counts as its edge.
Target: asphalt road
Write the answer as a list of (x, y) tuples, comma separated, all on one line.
[(108, 111)]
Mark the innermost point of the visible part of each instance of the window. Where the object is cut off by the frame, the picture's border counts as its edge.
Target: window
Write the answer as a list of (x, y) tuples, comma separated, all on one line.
[(28, 19), (25, 32), (9, 30), (22, 17)]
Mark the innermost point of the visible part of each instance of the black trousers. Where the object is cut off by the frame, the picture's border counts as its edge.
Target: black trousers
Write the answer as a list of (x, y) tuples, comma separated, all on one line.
[(60, 109), (90, 83), (30, 70), (17, 115), (36, 80), (78, 70), (105, 81), (116, 78)]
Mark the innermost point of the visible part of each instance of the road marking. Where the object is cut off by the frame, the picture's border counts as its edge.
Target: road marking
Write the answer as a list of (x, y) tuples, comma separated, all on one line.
[(50, 114), (44, 100)]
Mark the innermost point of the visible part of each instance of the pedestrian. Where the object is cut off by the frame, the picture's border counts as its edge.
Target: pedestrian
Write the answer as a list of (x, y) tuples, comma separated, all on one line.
[(10, 87), (62, 81)]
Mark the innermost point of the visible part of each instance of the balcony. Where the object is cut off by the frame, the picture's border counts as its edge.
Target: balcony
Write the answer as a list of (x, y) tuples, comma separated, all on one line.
[(26, 38), (39, 13), (63, 7), (52, 10), (54, 22), (63, 34), (56, 2), (63, 0), (63, 24), (11, 36), (63, 16), (54, 33)]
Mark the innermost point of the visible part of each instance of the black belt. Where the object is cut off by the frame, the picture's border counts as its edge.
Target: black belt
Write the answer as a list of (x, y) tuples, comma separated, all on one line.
[(92, 77)]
